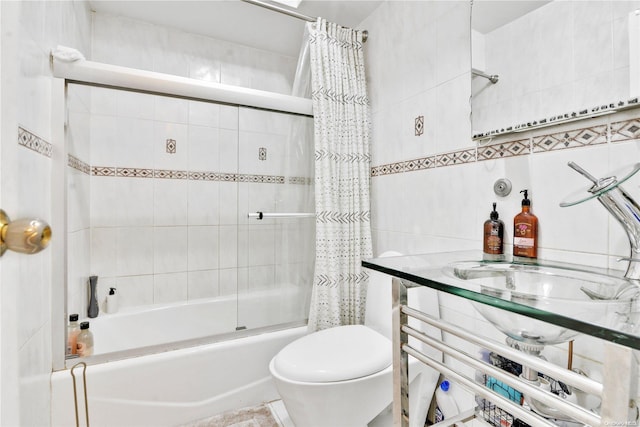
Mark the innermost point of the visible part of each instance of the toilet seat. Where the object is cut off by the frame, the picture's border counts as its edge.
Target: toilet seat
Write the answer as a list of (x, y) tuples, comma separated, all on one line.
[(337, 354)]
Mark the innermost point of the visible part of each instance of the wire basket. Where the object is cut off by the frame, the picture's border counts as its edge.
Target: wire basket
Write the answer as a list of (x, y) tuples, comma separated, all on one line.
[(487, 410)]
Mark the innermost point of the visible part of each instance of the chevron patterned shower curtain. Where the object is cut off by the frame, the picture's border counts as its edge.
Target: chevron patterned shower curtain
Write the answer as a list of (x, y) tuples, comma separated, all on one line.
[(342, 173)]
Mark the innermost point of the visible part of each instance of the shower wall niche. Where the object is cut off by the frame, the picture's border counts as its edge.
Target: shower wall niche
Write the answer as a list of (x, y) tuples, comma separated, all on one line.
[(158, 193)]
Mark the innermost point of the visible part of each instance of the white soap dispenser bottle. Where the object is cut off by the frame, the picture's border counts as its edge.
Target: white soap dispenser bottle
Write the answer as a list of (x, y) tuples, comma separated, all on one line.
[(111, 305)]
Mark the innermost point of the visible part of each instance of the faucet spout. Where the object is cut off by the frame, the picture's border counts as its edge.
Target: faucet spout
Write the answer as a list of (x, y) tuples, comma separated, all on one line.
[(624, 209)]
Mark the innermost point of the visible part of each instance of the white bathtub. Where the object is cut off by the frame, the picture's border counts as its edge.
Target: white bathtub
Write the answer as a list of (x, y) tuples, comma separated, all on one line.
[(138, 327), (173, 387)]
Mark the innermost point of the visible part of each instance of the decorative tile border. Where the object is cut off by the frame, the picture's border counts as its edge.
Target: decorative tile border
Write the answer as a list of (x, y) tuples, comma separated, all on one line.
[(77, 164), (193, 176), (456, 157), (34, 142), (586, 113), (406, 166), (204, 176), (571, 139), (300, 180), (624, 130), (504, 150)]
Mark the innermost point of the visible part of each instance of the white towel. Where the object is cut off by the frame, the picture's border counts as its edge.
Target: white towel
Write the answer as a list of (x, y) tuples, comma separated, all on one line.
[(67, 54)]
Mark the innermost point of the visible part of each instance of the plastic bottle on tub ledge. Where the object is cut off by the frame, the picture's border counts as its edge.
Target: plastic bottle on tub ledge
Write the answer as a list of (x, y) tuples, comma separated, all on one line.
[(84, 343), (111, 303), (73, 329)]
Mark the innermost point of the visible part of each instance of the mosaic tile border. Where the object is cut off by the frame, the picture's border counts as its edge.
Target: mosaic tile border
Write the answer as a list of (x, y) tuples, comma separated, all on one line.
[(504, 150), (624, 130), (586, 113), (110, 171), (78, 164), (34, 142)]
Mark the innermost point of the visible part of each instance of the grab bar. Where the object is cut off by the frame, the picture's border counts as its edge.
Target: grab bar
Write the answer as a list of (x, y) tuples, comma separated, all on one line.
[(263, 215)]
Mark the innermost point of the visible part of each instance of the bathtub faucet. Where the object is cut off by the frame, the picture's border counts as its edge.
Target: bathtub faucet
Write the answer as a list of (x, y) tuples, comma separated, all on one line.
[(623, 208)]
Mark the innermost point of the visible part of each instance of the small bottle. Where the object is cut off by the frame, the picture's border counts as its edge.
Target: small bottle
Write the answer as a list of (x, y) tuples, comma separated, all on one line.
[(493, 246), (525, 231), (84, 342), (111, 305), (73, 329)]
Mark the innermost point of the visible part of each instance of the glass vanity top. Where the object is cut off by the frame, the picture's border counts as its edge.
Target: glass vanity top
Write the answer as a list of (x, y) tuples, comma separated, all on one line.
[(551, 299)]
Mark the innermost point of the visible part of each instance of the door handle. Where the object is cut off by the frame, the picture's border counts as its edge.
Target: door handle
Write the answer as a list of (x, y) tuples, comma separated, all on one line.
[(25, 235)]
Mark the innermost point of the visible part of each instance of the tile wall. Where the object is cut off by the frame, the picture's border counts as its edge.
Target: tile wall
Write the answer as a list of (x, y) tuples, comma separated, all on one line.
[(432, 190), (570, 55), (29, 31), (169, 182)]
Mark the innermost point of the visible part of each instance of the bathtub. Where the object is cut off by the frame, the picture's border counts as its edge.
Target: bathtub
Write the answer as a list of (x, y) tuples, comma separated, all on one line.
[(157, 325), (170, 387)]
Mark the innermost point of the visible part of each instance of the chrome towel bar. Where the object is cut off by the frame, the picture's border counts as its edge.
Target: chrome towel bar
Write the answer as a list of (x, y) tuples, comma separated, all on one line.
[(265, 215)]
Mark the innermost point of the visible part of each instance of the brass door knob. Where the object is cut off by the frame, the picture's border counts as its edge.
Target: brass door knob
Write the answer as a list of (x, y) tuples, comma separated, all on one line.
[(26, 235)]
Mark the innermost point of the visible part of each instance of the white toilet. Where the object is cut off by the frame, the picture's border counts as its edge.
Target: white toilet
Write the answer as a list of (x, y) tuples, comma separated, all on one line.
[(342, 377)]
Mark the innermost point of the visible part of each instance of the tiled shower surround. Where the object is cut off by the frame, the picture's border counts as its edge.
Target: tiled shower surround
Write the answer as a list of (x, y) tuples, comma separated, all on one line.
[(169, 182), (170, 225)]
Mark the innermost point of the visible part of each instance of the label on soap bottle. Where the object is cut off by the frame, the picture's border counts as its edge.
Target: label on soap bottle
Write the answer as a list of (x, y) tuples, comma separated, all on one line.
[(524, 243)]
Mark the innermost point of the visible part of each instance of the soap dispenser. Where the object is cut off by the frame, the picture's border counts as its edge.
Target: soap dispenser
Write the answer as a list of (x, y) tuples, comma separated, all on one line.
[(525, 231), (493, 247), (111, 304)]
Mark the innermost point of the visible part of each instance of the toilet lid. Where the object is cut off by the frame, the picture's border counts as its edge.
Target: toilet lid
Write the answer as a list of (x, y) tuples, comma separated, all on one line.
[(336, 354)]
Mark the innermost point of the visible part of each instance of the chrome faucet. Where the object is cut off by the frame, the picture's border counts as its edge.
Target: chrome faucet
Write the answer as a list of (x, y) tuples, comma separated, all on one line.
[(623, 208)]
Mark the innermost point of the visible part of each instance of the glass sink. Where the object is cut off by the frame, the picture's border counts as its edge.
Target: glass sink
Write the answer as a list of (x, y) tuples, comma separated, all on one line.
[(574, 293)]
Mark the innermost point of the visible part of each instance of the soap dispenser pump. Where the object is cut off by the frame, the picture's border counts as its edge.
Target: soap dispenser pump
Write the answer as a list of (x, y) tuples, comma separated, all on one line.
[(493, 247), (525, 231)]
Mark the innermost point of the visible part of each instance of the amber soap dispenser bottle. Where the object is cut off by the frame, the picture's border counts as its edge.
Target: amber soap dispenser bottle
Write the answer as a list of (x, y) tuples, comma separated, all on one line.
[(525, 231), (493, 246)]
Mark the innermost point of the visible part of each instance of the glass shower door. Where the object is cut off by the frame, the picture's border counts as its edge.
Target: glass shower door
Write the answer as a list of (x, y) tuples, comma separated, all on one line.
[(276, 232)]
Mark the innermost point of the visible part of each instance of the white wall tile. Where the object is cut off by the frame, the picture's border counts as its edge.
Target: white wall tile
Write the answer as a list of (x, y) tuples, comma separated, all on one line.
[(171, 287), (228, 281), (134, 201), (133, 143), (170, 201), (204, 207), (135, 251), (203, 149), (135, 290), (203, 248), (204, 114), (203, 284), (170, 249)]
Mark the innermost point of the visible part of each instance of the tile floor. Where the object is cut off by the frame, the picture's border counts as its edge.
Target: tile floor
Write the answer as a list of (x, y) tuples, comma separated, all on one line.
[(272, 414)]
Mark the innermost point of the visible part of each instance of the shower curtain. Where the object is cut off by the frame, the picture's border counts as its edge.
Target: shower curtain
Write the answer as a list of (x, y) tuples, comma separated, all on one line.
[(342, 168)]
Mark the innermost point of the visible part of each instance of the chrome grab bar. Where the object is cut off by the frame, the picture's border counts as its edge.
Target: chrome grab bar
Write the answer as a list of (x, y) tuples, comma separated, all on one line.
[(264, 215)]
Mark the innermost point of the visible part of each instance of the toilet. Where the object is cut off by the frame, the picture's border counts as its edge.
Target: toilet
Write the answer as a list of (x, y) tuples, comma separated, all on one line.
[(343, 376)]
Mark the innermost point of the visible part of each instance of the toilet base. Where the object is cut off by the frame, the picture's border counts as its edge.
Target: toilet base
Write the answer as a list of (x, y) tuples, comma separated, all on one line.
[(352, 403)]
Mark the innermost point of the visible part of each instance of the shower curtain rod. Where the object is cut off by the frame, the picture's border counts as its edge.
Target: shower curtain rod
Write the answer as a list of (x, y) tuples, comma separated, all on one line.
[(285, 11)]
